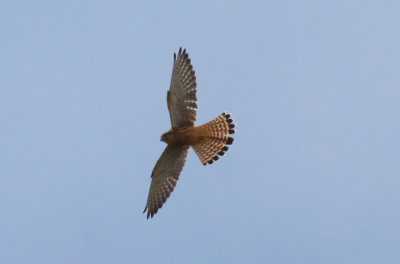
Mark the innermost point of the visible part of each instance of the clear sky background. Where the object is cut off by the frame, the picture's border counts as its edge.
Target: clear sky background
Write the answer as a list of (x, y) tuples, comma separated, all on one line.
[(313, 174)]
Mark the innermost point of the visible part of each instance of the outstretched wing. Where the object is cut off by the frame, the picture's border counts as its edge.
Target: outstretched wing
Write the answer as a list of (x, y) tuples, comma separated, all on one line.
[(182, 92), (164, 177)]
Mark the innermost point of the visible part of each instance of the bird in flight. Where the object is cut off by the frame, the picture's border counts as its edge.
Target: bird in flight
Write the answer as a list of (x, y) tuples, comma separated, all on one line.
[(208, 140)]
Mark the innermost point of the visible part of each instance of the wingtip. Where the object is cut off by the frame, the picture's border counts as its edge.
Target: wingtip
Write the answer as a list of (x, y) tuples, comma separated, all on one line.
[(144, 211), (149, 214), (181, 51)]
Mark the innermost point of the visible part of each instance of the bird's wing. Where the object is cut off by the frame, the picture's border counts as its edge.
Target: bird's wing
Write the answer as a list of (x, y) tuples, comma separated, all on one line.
[(164, 177), (181, 96)]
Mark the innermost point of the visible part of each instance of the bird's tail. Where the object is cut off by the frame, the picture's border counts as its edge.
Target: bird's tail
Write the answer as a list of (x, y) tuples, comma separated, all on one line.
[(215, 138)]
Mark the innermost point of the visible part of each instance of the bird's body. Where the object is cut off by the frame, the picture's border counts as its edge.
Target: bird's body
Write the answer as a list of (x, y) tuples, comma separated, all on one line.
[(188, 135), (208, 140)]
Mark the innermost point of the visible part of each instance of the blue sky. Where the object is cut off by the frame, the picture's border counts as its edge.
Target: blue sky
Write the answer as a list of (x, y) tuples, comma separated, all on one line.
[(313, 174)]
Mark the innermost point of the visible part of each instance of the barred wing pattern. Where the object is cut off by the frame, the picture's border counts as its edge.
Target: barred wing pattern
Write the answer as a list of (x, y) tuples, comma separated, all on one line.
[(181, 96), (164, 177)]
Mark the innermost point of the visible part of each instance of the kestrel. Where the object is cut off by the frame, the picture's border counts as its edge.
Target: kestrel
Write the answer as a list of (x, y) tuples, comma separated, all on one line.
[(208, 140)]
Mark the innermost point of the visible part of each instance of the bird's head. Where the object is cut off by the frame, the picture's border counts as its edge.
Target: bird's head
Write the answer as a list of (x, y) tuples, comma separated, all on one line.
[(167, 136)]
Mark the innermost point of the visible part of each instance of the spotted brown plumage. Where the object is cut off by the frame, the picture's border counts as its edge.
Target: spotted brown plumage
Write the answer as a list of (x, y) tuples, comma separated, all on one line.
[(209, 140)]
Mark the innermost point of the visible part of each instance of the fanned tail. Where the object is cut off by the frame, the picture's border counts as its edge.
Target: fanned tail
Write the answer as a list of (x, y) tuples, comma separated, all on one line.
[(216, 138)]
